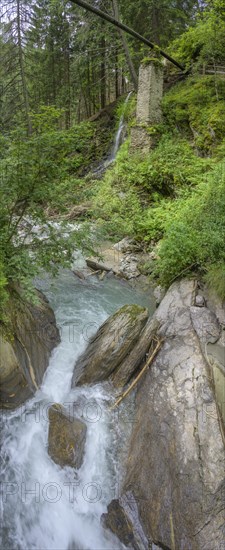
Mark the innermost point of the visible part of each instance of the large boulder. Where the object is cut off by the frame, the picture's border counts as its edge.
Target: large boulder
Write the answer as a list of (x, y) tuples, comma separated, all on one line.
[(175, 464), (111, 344), (66, 438), (134, 359), (26, 345)]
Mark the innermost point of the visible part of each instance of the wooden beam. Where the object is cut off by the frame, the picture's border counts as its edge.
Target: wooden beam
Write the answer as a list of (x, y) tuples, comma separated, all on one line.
[(127, 29)]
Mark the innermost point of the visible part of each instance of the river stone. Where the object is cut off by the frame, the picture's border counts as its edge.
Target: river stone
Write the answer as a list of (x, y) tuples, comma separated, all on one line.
[(25, 348), (199, 300), (175, 463), (125, 245), (66, 438), (122, 520), (205, 324), (112, 342)]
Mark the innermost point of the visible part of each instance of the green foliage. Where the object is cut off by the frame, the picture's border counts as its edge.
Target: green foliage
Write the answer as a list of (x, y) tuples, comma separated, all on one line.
[(203, 43), (66, 67), (152, 225), (31, 173), (46, 119), (158, 21), (116, 205), (215, 278), (196, 107), (164, 170), (147, 60), (195, 233), (171, 165), (134, 183), (3, 292)]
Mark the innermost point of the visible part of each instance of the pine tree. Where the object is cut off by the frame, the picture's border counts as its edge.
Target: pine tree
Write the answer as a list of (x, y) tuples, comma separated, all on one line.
[(17, 14)]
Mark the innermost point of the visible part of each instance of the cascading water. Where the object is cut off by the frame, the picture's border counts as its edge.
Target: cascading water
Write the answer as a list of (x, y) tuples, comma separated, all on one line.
[(117, 141), (44, 506)]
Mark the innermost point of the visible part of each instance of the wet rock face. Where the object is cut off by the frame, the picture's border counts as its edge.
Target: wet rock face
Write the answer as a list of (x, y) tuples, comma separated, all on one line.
[(25, 353), (175, 465), (178, 483), (66, 438), (122, 520), (112, 342)]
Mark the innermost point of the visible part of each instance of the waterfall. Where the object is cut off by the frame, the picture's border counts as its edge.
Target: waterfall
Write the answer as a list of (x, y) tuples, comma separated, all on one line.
[(117, 141), (116, 145), (43, 505)]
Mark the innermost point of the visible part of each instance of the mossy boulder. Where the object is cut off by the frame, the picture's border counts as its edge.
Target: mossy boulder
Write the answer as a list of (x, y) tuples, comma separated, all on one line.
[(110, 345), (66, 438)]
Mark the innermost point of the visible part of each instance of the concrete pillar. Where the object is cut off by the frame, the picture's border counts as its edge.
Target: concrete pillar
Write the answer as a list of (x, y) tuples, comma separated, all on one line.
[(150, 92)]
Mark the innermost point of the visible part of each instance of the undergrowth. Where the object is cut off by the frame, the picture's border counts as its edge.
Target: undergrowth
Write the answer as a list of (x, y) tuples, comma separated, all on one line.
[(174, 196)]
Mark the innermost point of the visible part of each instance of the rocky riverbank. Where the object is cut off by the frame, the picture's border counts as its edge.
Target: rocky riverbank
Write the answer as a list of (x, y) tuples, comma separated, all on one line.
[(26, 344), (173, 489)]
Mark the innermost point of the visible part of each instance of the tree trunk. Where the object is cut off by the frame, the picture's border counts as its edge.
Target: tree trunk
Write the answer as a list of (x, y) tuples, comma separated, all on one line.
[(130, 64), (117, 87), (155, 23), (102, 70), (22, 69)]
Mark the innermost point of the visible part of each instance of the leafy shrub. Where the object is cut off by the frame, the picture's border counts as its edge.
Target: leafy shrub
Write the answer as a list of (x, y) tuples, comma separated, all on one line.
[(204, 42), (215, 278), (134, 182), (29, 171), (195, 236), (3, 291), (116, 208), (196, 107)]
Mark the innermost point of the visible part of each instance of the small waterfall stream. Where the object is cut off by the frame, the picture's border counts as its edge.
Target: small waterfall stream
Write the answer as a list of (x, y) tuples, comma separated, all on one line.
[(43, 506), (117, 141), (116, 145)]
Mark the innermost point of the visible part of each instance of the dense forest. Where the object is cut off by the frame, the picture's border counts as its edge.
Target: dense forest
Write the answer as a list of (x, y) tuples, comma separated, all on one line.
[(61, 69)]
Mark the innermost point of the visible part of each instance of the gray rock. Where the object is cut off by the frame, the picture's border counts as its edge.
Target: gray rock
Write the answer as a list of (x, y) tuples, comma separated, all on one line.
[(159, 293), (199, 301), (66, 438), (112, 342), (175, 464), (132, 361), (125, 245), (205, 324), (122, 520), (25, 353), (128, 267)]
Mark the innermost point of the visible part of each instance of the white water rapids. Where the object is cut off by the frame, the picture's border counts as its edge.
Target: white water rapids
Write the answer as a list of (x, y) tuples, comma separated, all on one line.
[(44, 506)]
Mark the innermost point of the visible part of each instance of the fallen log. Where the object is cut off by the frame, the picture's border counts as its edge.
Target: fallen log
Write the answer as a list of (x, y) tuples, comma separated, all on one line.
[(97, 266)]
